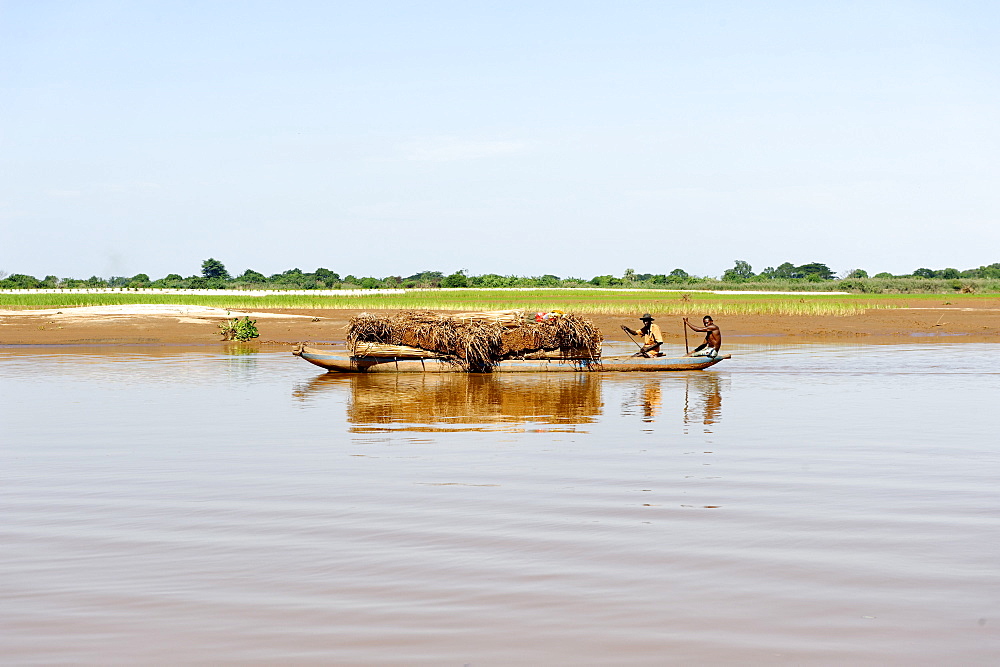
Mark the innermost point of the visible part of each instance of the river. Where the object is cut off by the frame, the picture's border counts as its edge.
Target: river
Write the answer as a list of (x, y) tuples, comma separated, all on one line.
[(797, 505)]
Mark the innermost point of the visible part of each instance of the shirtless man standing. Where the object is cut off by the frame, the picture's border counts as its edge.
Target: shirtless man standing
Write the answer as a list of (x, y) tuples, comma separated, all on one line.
[(713, 338)]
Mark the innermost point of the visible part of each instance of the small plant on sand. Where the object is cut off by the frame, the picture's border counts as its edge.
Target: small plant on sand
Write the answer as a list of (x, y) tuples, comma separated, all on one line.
[(237, 329)]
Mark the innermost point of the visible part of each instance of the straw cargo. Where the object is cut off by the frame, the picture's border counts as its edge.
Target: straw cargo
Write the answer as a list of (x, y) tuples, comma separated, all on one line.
[(474, 341)]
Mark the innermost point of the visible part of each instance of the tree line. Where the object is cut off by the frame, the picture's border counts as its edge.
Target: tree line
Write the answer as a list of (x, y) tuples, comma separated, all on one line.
[(214, 275)]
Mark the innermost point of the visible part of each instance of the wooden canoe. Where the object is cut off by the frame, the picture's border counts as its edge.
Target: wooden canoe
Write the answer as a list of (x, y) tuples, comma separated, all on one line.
[(343, 362)]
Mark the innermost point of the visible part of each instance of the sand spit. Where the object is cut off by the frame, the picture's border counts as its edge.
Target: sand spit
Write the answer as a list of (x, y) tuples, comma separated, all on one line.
[(186, 324)]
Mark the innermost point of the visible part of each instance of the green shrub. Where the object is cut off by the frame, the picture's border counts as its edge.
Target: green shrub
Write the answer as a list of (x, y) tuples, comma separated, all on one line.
[(237, 329)]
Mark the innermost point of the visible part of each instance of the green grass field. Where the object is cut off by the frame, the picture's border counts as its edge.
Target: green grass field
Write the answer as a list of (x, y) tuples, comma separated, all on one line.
[(581, 301)]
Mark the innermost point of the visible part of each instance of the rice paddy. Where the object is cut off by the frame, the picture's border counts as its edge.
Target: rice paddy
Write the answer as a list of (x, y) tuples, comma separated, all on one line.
[(607, 302)]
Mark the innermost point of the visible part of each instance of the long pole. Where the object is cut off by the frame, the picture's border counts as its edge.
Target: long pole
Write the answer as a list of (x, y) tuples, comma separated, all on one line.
[(686, 350), (634, 340)]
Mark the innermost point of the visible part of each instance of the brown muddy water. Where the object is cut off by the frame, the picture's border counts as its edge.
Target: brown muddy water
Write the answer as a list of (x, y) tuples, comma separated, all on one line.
[(798, 505)]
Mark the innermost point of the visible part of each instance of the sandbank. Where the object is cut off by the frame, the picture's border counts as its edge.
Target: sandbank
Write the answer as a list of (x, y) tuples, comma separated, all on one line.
[(192, 325)]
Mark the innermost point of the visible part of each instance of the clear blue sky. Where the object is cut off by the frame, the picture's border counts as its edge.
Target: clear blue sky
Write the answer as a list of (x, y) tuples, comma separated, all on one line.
[(575, 138)]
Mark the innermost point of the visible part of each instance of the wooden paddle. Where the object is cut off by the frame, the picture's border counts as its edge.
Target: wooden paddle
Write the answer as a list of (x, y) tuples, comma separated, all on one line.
[(633, 340), (684, 326)]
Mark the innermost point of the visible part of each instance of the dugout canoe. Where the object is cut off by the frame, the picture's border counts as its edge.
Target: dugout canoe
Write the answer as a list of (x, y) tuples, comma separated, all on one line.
[(342, 362)]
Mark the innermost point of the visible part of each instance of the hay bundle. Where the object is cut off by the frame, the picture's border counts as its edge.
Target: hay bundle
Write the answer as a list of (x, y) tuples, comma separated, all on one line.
[(572, 335), (476, 341), (425, 330), (508, 318), (528, 337), (575, 332), (473, 344)]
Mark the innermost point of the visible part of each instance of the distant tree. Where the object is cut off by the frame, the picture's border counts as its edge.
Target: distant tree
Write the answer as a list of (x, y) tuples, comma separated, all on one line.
[(327, 277), (605, 281), (426, 279), (491, 280), (858, 273), (139, 280), (20, 281), (457, 279), (96, 281), (117, 281), (171, 280), (369, 283), (548, 280), (949, 274), (629, 275), (884, 274), (251, 276), (820, 271), (523, 281), (741, 272), (784, 271), (924, 273), (990, 271), (294, 279), (426, 275), (50, 282), (213, 268), (678, 276)]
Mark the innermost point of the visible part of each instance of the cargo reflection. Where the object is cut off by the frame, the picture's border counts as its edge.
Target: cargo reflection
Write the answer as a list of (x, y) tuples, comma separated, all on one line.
[(512, 402), (464, 402)]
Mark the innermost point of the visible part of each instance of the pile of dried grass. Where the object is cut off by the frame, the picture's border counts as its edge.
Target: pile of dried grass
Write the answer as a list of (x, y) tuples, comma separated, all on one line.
[(473, 344), (574, 335), (476, 343), (508, 318)]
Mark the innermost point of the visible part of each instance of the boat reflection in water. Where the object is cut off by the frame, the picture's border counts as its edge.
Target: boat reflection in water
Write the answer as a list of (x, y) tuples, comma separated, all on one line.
[(698, 397), (464, 402), (513, 402), (702, 399)]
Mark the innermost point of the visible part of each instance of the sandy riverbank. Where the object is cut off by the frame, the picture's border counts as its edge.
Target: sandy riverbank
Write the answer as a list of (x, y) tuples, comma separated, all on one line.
[(187, 325)]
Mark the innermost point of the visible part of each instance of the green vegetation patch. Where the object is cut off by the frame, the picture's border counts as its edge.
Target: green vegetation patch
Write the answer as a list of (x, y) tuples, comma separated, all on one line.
[(786, 277), (239, 329), (607, 302)]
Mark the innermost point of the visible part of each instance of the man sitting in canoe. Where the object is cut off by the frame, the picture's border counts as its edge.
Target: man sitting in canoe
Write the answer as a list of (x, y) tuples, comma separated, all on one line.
[(713, 338), (652, 337)]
